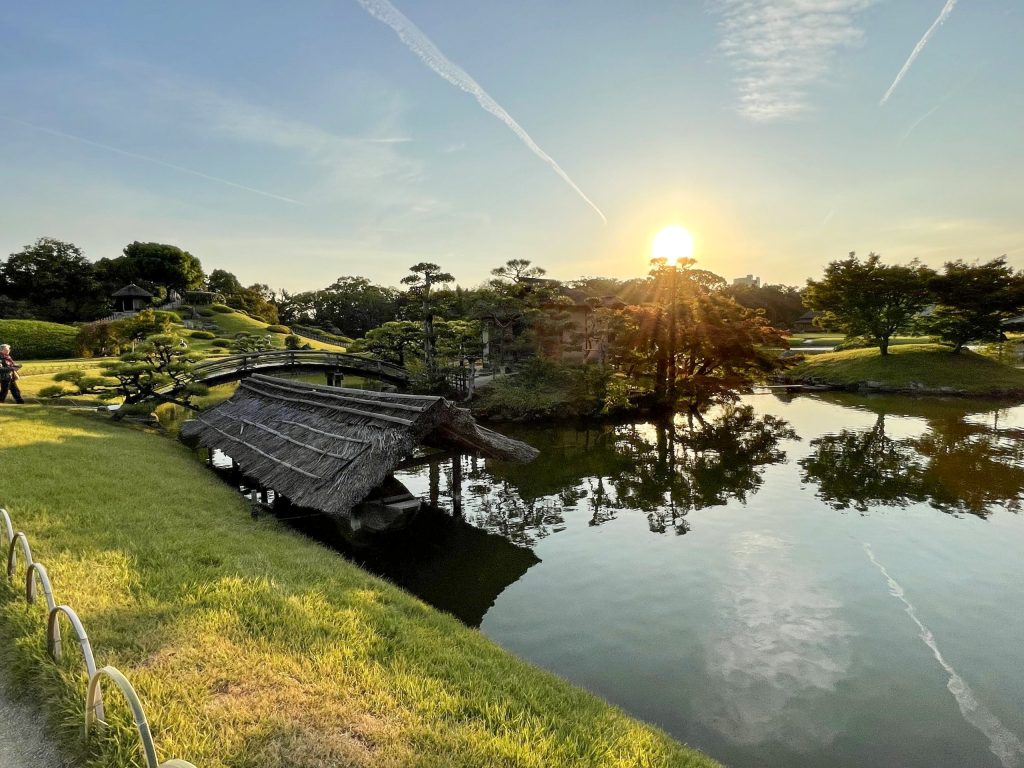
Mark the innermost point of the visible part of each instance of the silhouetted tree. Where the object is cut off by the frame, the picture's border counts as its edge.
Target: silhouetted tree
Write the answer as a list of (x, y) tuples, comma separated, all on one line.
[(423, 278)]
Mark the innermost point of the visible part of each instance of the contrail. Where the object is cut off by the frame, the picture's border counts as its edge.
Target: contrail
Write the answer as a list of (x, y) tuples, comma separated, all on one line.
[(430, 55), (927, 115), (1004, 744), (947, 9), (147, 159)]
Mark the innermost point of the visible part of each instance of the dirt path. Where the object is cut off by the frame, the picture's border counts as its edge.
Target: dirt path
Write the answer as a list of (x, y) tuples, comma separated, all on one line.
[(24, 741)]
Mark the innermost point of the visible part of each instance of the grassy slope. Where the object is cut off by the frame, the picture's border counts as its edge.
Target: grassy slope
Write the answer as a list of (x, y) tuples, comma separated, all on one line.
[(236, 322), (253, 647), (35, 338), (911, 366), (38, 374)]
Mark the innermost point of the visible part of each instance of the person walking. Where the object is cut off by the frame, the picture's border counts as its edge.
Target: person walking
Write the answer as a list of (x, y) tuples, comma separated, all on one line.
[(8, 375)]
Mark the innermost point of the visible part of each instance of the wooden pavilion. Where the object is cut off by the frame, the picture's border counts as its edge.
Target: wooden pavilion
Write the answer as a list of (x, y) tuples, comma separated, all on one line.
[(131, 298), (327, 448)]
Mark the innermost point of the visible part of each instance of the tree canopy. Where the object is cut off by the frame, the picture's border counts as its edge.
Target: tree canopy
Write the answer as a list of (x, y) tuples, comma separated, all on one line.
[(51, 280), (973, 300), (870, 299)]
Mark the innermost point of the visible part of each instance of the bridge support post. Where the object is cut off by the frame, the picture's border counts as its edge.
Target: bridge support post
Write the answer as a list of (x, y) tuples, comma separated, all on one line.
[(335, 378)]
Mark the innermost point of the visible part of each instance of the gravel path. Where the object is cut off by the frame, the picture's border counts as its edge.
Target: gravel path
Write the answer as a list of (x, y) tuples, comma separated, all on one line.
[(23, 734)]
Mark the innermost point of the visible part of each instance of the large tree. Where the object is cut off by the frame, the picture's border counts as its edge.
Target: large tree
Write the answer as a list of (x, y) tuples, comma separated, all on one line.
[(351, 305), (782, 304), (694, 342), (870, 299), (423, 278), (973, 300), (52, 280), (163, 265)]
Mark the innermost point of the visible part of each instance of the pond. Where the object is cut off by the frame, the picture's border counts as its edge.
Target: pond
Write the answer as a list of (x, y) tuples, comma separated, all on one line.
[(800, 580)]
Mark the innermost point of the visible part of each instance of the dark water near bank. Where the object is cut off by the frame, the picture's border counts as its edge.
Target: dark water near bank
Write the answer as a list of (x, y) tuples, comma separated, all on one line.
[(817, 580)]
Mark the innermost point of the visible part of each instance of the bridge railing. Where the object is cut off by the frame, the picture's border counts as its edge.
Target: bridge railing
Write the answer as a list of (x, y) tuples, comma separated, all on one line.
[(249, 361), (94, 712)]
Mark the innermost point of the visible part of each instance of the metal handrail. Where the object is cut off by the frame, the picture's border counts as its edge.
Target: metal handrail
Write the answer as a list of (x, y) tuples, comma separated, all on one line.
[(8, 528), (38, 569), (94, 711), (92, 698), (12, 553), (55, 647)]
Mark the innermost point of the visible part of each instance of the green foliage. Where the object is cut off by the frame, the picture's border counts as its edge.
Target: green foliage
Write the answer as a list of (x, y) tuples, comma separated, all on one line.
[(203, 335), (223, 282), (220, 341), (162, 265), (51, 280), (251, 342), (395, 341), (972, 301), (205, 312), (292, 342), (782, 304), (869, 299), (38, 340), (351, 305), (222, 308), (159, 368), (544, 389), (284, 329)]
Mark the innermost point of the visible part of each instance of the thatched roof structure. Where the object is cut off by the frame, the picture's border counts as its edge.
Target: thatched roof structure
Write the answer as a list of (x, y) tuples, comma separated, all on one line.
[(132, 291), (325, 447)]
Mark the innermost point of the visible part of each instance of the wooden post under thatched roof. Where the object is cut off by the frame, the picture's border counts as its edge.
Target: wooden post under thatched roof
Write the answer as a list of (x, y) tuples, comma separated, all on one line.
[(326, 448)]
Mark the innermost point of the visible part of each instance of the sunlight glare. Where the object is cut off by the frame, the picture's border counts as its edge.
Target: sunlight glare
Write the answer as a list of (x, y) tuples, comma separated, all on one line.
[(672, 244)]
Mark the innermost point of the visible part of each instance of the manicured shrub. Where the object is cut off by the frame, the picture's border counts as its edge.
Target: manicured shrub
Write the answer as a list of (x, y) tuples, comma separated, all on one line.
[(222, 342), (222, 308), (278, 329), (206, 312), (292, 342), (166, 316), (38, 340), (203, 335)]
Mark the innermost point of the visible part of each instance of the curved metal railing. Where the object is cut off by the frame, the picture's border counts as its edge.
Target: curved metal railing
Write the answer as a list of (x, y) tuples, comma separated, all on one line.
[(12, 553), (35, 573)]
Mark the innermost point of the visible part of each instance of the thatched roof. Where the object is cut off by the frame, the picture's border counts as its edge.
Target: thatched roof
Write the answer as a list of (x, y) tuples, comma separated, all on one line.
[(132, 291), (325, 447)]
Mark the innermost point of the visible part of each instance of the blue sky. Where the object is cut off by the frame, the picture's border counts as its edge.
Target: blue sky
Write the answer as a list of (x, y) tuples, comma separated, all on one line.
[(295, 144)]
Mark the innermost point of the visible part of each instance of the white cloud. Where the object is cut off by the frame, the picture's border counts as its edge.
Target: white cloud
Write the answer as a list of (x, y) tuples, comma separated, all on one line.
[(780, 49)]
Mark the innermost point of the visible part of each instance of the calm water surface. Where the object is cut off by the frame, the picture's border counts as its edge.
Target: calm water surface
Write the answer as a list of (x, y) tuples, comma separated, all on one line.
[(807, 581)]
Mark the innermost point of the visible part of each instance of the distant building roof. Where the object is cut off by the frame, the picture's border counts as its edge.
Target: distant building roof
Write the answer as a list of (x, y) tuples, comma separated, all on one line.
[(133, 291)]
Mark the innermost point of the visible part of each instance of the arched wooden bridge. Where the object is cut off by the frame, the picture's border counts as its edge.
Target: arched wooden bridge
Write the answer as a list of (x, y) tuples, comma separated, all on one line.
[(234, 367)]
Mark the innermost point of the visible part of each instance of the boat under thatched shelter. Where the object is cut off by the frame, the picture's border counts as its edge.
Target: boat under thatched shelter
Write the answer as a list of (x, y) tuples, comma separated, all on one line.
[(327, 448)]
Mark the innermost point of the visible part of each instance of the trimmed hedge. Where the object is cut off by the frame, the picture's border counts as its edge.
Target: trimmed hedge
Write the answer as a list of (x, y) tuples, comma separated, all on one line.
[(222, 342), (224, 309), (278, 329), (38, 340), (203, 335), (205, 312)]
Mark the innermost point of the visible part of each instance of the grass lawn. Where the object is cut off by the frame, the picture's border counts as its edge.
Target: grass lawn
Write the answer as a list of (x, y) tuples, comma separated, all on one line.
[(38, 374), (252, 647), (228, 324), (912, 366)]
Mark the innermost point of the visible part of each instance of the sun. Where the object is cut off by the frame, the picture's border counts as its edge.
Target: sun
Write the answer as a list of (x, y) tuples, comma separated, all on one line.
[(672, 244)]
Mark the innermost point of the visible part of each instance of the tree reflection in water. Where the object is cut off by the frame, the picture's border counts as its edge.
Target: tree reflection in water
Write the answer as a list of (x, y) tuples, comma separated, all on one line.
[(958, 466), (663, 469)]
